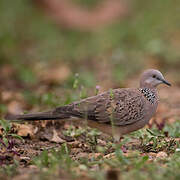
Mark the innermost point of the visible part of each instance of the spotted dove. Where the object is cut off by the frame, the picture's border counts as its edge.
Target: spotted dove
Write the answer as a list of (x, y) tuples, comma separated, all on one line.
[(116, 112)]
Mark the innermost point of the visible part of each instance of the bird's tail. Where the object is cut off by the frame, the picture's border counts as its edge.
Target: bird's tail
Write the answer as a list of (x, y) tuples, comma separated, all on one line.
[(50, 115)]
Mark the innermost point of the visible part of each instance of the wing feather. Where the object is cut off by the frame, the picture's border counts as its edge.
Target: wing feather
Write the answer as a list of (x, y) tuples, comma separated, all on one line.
[(124, 107)]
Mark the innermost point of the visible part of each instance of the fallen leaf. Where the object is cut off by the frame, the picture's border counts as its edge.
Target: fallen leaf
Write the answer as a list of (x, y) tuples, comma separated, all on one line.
[(102, 142), (108, 156), (94, 155), (24, 130), (55, 74), (82, 155), (56, 138), (161, 155), (6, 95), (152, 155), (14, 107)]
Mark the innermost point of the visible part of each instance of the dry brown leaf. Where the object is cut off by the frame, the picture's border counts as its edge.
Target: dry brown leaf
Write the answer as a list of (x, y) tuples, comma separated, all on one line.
[(94, 155), (102, 142), (14, 107), (152, 155), (76, 151), (75, 144), (161, 155), (9, 95), (111, 155), (25, 158), (6, 95), (24, 130), (56, 74), (56, 138), (82, 155)]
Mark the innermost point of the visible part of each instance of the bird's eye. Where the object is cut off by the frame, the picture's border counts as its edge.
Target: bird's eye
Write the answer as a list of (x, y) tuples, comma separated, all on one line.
[(154, 76)]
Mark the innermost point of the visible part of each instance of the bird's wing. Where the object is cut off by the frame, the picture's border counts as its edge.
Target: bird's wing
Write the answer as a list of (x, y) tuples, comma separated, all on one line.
[(120, 107)]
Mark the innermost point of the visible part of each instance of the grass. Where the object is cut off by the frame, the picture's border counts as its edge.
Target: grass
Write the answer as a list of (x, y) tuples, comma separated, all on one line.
[(133, 165), (127, 162)]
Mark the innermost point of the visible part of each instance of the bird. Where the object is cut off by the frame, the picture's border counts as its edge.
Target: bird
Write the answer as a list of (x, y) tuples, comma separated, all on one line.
[(115, 112)]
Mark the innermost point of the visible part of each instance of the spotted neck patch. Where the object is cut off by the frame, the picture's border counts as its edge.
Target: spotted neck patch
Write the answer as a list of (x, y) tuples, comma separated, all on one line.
[(148, 94)]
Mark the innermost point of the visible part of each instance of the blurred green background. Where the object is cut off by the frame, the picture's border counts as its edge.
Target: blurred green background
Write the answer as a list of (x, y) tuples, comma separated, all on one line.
[(33, 47), (44, 65)]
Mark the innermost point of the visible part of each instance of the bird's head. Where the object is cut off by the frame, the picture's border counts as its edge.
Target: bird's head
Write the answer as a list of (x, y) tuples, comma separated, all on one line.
[(151, 78)]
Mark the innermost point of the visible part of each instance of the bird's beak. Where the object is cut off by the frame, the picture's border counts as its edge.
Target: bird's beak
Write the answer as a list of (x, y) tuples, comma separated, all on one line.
[(166, 82)]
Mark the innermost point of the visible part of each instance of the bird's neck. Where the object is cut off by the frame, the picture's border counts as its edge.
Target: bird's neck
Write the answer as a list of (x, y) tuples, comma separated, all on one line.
[(149, 93), (152, 88)]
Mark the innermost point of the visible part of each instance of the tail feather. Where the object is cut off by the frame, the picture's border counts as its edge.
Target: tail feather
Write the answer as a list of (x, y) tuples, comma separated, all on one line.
[(36, 116)]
